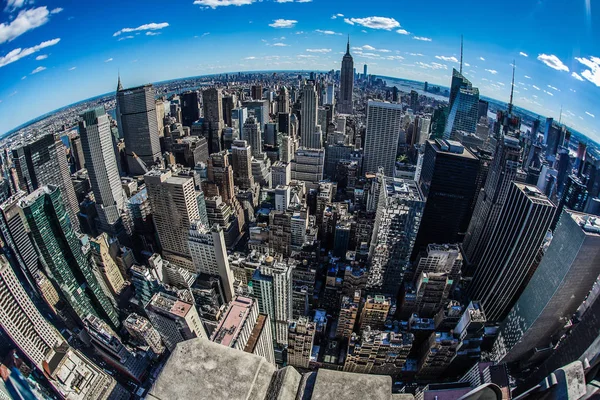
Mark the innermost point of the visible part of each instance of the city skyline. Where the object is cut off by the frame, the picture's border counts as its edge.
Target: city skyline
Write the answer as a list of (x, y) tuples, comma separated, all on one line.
[(47, 66)]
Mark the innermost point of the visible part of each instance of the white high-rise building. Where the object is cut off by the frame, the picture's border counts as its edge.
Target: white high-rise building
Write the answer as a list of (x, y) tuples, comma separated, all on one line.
[(209, 254), (383, 130), (174, 207), (272, 286), (310, 137), (22, 321), (282, 197), (281, 173), (101, 164)]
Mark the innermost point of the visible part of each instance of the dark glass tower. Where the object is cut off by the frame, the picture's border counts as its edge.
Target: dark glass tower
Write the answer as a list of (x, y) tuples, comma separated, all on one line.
[(448, 182), (190, 108)]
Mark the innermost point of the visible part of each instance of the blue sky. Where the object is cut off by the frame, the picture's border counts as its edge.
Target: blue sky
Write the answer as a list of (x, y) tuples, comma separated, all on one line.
[(53, 53)]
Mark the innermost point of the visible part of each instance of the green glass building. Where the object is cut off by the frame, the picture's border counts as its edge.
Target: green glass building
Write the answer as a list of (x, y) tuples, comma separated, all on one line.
[(61, 252)]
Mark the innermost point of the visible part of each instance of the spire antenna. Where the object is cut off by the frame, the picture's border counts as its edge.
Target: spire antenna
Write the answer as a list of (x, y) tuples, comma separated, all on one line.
[(461, 53), (348, 45), (512, 90)]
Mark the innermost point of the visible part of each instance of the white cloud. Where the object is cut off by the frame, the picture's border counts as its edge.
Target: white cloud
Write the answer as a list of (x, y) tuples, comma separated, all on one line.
[(318, 50), (222, 3), (250, 58), (415, 54), (38, 69), (283, 23), (152, 33), (394, 58), (326, 32), (13, 5), (492, 71), (422, 38), (548, 93), (108, 60), (554, 88), (374, 22), (403, 32), (56, 10), (17, 54), (482, 59), (146, 27), (573, 90), (590, 114), (72, 68), (468, 65), (433, 65), (25, 21), (577, 76), (306, 56), (593, 73), (125, 37), (446, 58), (24, 77), (553, 62), (523, 54), (279, 44), (41, 57), (535, 87), (527, 77), (336, 16)]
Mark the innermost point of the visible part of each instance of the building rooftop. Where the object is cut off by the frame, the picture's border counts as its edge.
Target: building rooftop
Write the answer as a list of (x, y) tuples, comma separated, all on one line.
[(590, 224), (170, 304), (451, 147), (232, 322), (206, 370)]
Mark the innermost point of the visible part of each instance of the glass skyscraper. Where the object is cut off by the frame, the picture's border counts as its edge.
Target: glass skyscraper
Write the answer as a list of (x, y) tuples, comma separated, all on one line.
[(61, 251), (464, 106)]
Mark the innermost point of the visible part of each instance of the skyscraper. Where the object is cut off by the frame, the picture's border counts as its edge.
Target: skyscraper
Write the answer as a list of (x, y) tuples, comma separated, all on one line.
[(283, 101), (67, 369), (492, 198), (241, 162), (505, 265), (174, 319), (209, 255), (174, 207), (138, 126), (253, 135), (399, 211), (213, 118), (464, 112), (345, 105), (101, 163), (61, 251), (300, 343), (22, 321), (559, 285), (242, 327), (309, 138), (44, 162), (190, 108), (448, 182), (381, 143), (272, 286)]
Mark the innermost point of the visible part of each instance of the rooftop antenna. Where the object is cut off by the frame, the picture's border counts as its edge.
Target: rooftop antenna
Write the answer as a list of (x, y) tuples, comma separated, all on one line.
[(560, 115), (348, 45), (461, 53), (512, 89)]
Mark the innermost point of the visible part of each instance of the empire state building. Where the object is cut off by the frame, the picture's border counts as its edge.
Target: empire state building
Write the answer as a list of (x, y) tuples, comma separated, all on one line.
[(346, 83)]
